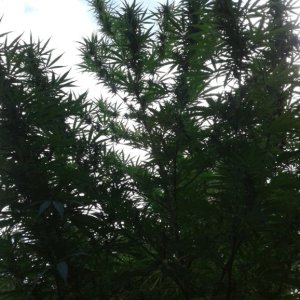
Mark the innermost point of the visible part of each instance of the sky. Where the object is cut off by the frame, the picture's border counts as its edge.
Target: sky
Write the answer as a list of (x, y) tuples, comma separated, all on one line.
[(64, 21)]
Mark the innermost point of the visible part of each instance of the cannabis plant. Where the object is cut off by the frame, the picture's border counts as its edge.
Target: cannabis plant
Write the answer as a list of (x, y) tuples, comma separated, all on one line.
[(208, 96), (180, 182), (60, 183)]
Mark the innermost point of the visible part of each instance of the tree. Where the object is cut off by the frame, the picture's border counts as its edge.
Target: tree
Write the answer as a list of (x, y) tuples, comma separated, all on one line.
[(207, 92)]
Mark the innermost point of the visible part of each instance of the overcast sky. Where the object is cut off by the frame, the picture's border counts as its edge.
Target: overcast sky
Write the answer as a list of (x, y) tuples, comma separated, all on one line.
[(65, 21)]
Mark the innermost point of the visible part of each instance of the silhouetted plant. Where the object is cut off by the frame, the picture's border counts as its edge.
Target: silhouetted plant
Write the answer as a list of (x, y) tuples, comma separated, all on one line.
[(207, 93)]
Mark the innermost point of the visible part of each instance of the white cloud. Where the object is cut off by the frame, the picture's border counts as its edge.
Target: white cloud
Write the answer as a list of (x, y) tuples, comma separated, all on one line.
[(65, 21)]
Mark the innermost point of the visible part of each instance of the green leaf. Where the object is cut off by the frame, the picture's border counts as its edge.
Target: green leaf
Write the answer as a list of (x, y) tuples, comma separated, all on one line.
[(63, 269), (44, 206), (59, 207)]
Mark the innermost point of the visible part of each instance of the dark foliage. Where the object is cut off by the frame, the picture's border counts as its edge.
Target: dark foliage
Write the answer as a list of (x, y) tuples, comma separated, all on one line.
[(206, 92)]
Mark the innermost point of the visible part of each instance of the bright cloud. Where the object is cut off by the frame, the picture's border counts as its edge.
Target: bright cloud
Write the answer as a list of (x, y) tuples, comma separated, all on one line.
[(65, 21)]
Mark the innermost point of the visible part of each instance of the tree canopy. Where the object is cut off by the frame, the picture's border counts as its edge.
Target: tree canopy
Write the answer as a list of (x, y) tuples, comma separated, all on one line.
[(206, 93)]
